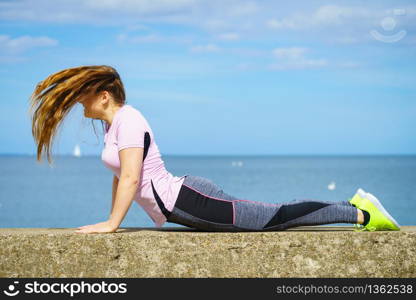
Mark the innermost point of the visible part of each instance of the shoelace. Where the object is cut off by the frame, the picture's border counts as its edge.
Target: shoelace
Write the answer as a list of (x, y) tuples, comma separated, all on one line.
[(360, 227)]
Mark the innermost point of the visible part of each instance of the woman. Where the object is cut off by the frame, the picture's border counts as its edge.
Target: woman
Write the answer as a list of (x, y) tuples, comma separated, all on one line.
[(132, 154)]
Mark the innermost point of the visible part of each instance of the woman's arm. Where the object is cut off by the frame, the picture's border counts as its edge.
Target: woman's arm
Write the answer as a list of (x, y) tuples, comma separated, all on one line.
[(130, 170), (115, 184), (124, 191)]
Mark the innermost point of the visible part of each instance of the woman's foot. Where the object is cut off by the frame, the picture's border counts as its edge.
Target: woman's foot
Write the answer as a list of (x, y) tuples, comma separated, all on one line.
[(379, 219)]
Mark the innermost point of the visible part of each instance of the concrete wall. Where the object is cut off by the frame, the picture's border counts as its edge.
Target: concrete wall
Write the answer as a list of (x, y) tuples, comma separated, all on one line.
[(319, 251)]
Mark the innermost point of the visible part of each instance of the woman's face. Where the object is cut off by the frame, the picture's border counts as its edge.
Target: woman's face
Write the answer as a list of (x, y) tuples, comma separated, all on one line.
[(92, 105)]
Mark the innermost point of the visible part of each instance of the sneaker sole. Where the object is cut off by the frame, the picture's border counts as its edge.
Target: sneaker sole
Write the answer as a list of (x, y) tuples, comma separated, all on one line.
[(377, 204)]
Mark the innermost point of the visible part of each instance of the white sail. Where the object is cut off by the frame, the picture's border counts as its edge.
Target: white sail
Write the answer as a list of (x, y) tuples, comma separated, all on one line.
[(77, 151), (332, 186)]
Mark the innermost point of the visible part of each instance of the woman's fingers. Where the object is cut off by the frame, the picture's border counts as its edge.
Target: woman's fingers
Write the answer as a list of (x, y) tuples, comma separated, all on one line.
[(85, 226), (95, 228), (86, 229)]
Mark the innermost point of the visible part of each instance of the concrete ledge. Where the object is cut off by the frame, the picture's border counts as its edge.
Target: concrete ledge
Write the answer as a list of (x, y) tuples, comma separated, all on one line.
[(317, 251)]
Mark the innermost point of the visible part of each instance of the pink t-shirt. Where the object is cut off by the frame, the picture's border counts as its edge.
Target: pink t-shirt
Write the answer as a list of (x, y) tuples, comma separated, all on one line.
[(127, 130)]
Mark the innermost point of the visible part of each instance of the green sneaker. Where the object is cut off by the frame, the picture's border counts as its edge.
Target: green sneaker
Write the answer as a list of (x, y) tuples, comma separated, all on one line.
[(380, 219)]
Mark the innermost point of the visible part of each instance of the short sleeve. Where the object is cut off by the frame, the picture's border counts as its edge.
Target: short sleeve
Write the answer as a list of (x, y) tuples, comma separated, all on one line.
[(130, 131)]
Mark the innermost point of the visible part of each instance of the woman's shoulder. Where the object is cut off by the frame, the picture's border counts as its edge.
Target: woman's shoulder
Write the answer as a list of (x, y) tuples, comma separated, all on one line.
[(129, 111), (131, 114)]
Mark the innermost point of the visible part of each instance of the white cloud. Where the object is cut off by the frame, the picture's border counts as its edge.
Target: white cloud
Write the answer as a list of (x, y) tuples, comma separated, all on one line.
[(293, 58), (243, 8), (333, 14), (281, 24), (248, 52), (289, 53), (206, 14), (148, 38), (323, 16), (114, 12), (205, 48), (141, 7), (23, 43), (229, 20), (154, 38), (229, 36), (299, 65)]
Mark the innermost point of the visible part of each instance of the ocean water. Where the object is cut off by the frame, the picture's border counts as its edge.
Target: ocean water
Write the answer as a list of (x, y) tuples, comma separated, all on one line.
[(77, 190)]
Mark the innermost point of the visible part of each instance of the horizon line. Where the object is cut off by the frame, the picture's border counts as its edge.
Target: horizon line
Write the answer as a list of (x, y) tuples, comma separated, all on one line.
[(230, 155)]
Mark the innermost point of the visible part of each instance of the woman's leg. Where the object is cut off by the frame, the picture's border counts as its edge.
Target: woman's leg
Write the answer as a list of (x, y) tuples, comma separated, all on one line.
[(311, 212), (262, 216), (202, 204)]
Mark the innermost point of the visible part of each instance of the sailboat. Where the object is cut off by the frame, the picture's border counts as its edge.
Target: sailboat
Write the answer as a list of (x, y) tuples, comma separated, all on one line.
[(77, 151), (332, 186)]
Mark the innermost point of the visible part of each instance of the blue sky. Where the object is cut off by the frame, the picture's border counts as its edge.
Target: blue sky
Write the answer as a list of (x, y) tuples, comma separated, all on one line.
[(224, 77)]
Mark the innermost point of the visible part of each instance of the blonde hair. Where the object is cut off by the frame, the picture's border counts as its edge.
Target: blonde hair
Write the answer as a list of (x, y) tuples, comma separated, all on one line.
[(54, 97)]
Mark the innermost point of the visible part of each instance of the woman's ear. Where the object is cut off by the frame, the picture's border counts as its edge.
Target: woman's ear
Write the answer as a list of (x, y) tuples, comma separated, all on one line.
[(105, 97)]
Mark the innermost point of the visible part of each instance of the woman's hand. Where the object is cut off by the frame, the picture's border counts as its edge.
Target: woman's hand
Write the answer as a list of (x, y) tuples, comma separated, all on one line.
[(103, 227)]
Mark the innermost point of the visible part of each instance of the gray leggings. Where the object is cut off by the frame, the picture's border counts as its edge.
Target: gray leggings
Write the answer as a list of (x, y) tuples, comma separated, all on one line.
[(201, 204)]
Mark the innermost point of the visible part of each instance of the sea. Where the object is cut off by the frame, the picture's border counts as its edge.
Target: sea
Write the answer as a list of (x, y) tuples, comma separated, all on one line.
[(77, 190)]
